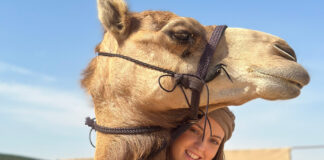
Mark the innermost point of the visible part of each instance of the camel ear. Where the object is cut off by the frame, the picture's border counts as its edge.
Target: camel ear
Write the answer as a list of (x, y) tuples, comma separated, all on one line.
[(114, 16)]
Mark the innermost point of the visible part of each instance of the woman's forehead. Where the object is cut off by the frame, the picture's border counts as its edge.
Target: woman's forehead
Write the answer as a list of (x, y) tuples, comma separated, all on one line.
[(217, 130)]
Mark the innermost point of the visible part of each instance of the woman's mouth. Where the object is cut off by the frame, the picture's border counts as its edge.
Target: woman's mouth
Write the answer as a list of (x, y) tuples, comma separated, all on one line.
[(192, 155)]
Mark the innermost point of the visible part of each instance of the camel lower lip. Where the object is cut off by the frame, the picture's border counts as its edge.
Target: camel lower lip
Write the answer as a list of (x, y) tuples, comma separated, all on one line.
[(295, 83), (299, 85)]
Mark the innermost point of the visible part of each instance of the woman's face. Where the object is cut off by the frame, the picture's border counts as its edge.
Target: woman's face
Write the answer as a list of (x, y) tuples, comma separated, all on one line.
[(189, 146)]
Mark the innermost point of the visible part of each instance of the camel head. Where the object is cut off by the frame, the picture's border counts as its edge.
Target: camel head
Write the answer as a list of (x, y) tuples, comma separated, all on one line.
[(261, 65)]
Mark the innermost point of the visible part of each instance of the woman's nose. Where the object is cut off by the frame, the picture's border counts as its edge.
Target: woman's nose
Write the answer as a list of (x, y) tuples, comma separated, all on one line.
[(201, 144)]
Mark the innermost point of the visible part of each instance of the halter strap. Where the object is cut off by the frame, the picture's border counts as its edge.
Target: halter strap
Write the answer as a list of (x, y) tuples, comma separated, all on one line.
[(134, 130), (203, 66), (202, 71)]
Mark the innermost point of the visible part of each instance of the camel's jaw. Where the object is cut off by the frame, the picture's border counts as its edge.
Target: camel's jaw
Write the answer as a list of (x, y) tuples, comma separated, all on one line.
[(298, 82), (271, 83), (282, 83)]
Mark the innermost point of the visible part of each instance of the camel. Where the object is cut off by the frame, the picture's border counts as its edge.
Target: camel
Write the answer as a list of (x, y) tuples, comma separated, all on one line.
[(125, 94)]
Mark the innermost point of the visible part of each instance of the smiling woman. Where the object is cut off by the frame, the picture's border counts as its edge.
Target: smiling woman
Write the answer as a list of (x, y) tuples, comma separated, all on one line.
[(191, 146)]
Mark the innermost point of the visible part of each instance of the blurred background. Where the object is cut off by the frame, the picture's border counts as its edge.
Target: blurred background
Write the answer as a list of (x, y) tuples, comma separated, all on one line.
[(46, 44)]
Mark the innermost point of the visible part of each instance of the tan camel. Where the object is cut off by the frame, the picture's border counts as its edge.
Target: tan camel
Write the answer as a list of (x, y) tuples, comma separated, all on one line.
[(126, 94)]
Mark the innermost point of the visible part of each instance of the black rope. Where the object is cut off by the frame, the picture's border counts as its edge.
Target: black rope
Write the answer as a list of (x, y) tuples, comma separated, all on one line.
[(137, 62), (218, 68), (182, 81), (134, 130), (178, 83), (206, 112), (91, 139), (167, 90), (174, 87)]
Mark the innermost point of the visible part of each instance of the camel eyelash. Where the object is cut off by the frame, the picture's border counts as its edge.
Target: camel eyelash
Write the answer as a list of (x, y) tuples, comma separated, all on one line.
[(182, 36)]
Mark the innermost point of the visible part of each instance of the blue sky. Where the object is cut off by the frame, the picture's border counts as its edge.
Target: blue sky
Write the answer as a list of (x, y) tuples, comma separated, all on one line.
[(45, 45)]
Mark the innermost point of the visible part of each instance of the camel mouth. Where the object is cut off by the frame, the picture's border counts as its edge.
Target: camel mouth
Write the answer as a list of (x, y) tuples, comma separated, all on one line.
[(294, 82), (300, 86)]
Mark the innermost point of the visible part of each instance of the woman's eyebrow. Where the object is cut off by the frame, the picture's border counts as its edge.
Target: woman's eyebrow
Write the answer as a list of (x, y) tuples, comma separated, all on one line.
[(216, 136), (198, 126), (212, 135)]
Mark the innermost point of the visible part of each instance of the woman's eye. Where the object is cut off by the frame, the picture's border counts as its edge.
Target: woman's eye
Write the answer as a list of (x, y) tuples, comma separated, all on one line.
[(214, 141), (193, 130)]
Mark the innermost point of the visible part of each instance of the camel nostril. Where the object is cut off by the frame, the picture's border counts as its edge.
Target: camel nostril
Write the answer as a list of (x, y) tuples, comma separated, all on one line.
[(285, 51)]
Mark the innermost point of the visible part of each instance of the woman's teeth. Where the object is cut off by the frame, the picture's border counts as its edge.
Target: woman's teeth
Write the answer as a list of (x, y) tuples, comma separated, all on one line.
[(192, 155)]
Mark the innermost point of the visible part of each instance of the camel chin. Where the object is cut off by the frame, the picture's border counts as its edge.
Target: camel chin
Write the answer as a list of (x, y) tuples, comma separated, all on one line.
[(274, 88), (286, 85)]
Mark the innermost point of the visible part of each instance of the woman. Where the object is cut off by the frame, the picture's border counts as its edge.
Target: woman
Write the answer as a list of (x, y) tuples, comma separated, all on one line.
[(191, 146)]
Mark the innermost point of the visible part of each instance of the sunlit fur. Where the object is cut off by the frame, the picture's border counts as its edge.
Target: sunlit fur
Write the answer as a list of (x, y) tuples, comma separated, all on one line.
[(125, 94)]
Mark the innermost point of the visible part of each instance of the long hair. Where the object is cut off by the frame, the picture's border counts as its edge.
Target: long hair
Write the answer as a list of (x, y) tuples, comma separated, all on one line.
[(220, 152)]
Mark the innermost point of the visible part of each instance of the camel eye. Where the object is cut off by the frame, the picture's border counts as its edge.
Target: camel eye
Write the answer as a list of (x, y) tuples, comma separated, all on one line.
[(181, 36)]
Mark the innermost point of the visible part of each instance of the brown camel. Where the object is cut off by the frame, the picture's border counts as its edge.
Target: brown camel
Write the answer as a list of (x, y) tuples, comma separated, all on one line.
[(127, 95)]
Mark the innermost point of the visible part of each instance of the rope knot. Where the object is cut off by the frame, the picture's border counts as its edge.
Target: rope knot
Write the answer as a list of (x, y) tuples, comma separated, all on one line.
[(189, 81), (90, 122), (182, 79)]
